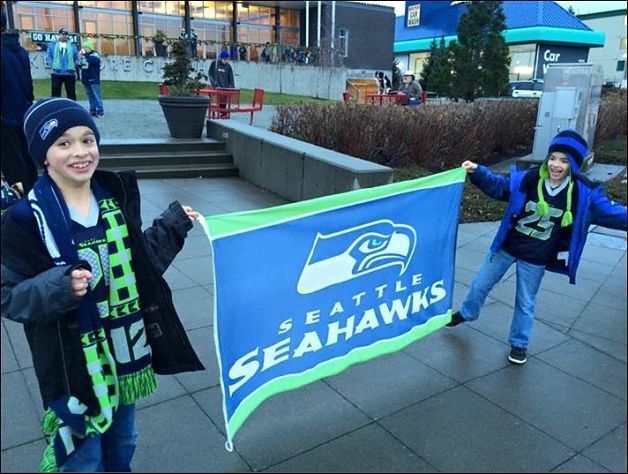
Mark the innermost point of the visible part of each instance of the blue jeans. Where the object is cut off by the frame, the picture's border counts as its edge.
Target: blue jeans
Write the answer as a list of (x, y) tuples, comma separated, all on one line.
[(110, 452), (529, 278), (95, 100)]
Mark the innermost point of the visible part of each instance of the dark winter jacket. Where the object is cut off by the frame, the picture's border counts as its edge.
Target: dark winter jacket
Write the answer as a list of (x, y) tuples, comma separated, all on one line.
[(17, 82), (91, 73), (592, 207), (221, 75), (38, 294)]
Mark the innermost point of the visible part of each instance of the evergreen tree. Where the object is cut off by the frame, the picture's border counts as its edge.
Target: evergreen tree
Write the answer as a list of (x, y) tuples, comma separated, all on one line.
[(396, 75), (436, 74), (480, 59)]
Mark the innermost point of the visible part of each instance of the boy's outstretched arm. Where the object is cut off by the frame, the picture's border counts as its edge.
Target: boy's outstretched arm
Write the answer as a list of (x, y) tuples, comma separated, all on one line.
[(607, 213), (494, 186)]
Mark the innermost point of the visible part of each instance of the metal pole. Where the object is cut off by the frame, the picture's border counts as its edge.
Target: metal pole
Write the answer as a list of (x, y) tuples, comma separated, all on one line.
[(318, 25), (333, 24), (307, 24)]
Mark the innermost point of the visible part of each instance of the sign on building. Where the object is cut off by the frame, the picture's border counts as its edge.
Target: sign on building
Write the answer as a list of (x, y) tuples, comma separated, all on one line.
[(413, 15), (554, 54), (50, 36)]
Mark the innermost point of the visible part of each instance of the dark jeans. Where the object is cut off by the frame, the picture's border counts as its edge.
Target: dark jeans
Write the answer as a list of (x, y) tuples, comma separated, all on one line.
[(17, 164), (70, 86)]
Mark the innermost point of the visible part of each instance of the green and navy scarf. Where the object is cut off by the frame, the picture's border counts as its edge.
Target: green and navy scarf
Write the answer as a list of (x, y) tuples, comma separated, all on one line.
[(116, 376)]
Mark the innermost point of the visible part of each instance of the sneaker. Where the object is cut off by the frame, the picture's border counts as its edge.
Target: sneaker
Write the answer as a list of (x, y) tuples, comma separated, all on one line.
[(517, 355), (93, 114), (101, 114), (456, 319)]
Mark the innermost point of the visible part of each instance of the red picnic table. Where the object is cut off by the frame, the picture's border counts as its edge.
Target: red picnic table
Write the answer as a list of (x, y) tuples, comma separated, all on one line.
[(222, 101), (390, 98)]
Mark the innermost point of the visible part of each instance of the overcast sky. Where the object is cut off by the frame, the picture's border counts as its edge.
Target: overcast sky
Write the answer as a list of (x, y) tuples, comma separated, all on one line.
[(579, 6)]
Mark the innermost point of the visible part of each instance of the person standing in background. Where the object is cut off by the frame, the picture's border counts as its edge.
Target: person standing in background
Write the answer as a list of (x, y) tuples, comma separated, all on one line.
[(90, 63), (18, 168), (63, 58)]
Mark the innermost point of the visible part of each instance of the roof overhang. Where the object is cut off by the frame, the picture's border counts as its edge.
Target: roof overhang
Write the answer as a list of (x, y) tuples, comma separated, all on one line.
[(537, 34)]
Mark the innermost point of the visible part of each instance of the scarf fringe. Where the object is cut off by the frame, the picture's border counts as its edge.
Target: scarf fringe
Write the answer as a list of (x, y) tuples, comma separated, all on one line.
[(49, 425), (137, 385)]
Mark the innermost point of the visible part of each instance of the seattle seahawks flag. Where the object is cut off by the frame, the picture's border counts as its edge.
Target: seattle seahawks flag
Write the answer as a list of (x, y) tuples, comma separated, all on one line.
[(305, 290)]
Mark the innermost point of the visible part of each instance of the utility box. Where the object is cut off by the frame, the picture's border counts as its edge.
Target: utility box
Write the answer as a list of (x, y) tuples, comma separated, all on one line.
[(571, 99)]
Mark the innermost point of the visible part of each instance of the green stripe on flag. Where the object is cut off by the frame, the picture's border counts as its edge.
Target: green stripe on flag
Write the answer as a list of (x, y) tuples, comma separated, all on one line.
[(331, 367), (236, 222)]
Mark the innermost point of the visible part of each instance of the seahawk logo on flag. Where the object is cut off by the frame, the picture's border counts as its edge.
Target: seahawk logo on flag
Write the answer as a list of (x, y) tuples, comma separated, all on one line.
[(305, 290)]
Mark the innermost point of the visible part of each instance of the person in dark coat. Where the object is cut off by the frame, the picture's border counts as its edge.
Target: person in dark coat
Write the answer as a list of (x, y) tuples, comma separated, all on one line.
[(220, 72), (86, 281), (18, 168)]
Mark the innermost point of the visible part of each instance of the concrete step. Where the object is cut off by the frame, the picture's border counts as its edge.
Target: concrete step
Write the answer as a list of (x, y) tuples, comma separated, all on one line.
[(180, 171), (146, 145), (162, 158)]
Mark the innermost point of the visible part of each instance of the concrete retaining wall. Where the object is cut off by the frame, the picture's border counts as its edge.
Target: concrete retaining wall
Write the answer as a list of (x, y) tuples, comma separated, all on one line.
[(326, 83), (291, 168)]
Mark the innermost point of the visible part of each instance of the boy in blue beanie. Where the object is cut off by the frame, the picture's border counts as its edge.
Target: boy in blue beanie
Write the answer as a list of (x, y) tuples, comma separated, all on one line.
[(87, 284), (545, 227)]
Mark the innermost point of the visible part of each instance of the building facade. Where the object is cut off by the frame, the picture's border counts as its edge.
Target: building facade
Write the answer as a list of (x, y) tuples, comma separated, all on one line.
[(538, 33), (612, 57), (127, 28)]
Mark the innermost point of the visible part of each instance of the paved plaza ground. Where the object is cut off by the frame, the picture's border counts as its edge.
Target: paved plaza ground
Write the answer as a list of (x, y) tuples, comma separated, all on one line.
[(449, 402)]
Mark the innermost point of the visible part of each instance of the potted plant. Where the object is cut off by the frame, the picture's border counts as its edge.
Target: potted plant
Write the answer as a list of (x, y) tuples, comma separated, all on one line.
[(183, 107), (159, 41)]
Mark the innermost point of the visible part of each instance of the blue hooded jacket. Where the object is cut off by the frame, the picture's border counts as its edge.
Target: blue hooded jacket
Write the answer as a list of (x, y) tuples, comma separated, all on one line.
[(17, 82), (592, 207)]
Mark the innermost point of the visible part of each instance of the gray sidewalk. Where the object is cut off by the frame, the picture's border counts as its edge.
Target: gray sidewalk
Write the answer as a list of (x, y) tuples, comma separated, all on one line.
[(449, 402)]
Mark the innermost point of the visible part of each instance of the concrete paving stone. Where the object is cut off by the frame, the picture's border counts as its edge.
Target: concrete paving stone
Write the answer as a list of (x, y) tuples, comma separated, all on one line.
[(19, 420), (602, 255), (589, 364), (199, 269), (579, 464), (369, 449), (610, 451), (559, 284), (289, 423), (9, 362), (594, 271), (33, 390), (195, 246), (392, 391), (168, 388), (566, 408), (495, 320), (460, 353), (24, 458), (614, 349), (614, 298), (194, 306), (480, 244), (176, 436), (469, 259), (177, 280), (607, 241), (19, 343), (554, 309), (464, 238), (459, 431), (596, 229), (210, 289), (603, 321), (202, 340), (480, 228)]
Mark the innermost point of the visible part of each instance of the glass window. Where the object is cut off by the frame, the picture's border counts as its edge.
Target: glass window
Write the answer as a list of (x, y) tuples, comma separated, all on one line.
[(172, 7), (621, 65), (343, 40), (42, 16), (106, 4), (522, 58), (113, 30), (289, 18), (212, 36), (149, 24), (211, 10), (622, 43)]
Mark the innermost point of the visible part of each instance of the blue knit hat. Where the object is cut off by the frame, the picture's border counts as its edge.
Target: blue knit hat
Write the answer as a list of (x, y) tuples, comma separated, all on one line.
[(48, 119), (224, 54), (572, 144)]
